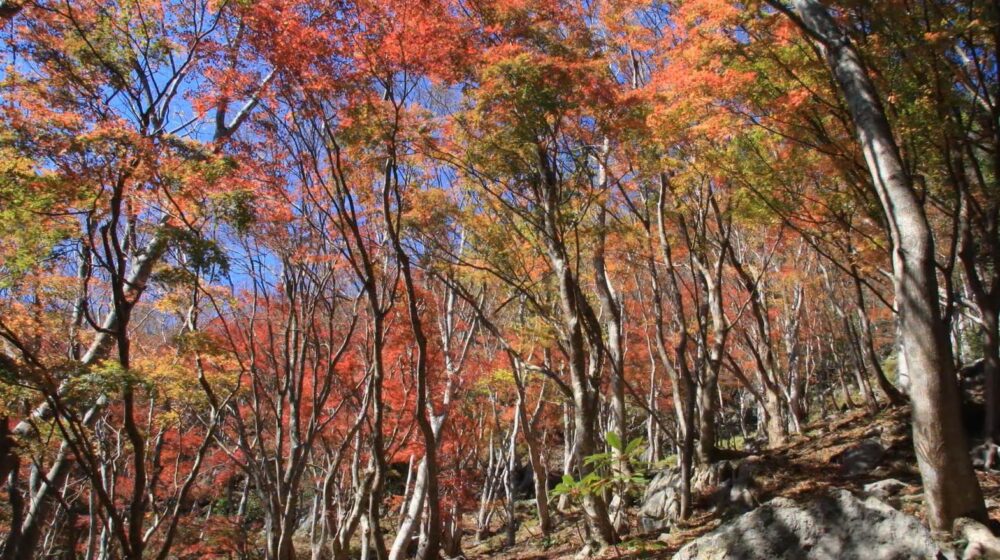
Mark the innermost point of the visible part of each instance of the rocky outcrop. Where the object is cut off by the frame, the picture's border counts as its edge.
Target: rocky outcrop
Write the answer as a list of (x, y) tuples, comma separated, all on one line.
[(836, 525), (985, 456), (726, 482), (661, 501)]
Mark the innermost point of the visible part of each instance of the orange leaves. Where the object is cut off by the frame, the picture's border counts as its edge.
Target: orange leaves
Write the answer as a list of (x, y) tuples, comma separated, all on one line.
[(291, 35), (423, 37), (708, 15), (697, 86), (321, 48)]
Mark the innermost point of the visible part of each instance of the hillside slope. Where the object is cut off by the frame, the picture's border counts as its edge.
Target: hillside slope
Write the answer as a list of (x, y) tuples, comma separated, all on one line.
[(809, 466)]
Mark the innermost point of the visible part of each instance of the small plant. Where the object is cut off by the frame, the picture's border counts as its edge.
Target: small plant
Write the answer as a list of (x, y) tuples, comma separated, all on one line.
[(621, 470)]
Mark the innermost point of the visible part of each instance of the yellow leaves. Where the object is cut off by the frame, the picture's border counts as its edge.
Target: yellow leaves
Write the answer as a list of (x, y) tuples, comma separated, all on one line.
[(199, 343), (173, 380), (170, 379), (174, 302), (429, 209)]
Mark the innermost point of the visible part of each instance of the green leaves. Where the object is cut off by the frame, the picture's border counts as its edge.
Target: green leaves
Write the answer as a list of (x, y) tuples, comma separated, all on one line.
[(630, 450), (203, 255), (568, 487), (614, 441), (236, 208), (28, 234), (621, 469)]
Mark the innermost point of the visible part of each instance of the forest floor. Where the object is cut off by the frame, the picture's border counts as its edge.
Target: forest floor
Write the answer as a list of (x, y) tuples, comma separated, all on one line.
[(804, 467)]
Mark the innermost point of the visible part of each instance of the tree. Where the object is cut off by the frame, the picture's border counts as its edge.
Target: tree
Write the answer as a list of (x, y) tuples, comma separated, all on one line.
[(937, 433), (93, 102)]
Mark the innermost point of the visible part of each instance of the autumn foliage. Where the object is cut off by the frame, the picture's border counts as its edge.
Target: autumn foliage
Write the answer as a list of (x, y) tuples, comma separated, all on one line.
[(289, 277)]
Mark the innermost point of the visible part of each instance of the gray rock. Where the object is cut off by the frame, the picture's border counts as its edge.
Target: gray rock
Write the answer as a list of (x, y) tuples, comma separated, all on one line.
[(587, 551), (885, 489), (985, 456), (834, 526), (730, 483), (618, 514), (861, 458), (741, 489), (661, 502)]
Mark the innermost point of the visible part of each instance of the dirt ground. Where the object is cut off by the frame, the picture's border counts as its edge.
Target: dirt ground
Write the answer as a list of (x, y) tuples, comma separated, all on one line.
[(803, 467)]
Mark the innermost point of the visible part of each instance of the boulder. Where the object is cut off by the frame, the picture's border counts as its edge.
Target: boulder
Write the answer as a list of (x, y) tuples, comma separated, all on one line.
[(835, 525), (985, 456), (587, 551), (861, 458), (741, 489), (887, 490), (982, 544), (661, 502), (730, 483), (618, 514)]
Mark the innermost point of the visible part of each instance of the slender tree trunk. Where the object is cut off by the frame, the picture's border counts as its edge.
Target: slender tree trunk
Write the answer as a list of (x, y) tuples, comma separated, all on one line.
[(391, 192), (574, 312), (860, 369), (686, 455), (894, 396), (682, 381), (614, 328), (407, 489), (489, 484), (569, 452), (414, 514), (987, 300), (652, 426), (615, 343), (534, 453), (510, 484), (991, 373), (776, 427), (706, 420)]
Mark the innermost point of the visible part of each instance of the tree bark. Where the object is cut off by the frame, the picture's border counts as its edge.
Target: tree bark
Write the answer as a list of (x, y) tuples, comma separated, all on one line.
[(391, 192), (534, 453), (575, 312), (950, 484)]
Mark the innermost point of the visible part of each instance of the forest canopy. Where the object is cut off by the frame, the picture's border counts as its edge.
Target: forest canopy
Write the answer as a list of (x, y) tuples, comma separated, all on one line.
[(290, 278)]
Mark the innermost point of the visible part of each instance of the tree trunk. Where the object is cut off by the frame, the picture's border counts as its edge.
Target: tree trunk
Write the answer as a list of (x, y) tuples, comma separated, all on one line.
[(615, 329), (575, 312), (894, 395), (414, 514), (991, 373), (489, 488), (391, 193), (706, 420), (709, 380), (776, 427), (950, 484), (569, 452), (987, 300), (510, 489), (534, 453), (686, 455)]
